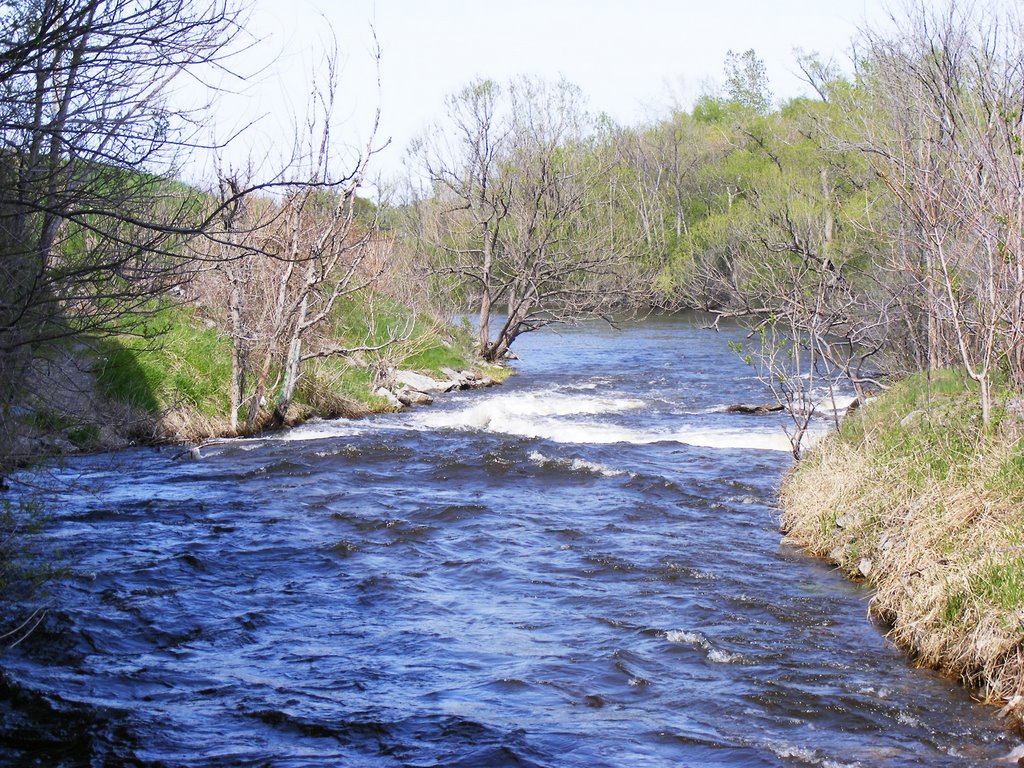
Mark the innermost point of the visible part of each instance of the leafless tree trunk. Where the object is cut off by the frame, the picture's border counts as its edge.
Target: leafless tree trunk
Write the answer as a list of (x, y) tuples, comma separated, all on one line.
[(285, 261), (516, 209), (944, 134)]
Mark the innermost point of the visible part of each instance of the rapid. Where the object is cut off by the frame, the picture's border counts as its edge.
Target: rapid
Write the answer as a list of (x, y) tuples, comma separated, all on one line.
[(581, 567)]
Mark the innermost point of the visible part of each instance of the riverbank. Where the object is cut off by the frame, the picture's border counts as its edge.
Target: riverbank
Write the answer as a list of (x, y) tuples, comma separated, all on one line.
[(912, 496), (565, 549), (171, 386)]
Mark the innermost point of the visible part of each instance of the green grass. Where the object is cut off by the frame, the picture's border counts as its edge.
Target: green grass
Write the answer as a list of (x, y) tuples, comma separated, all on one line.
[(953, 609), (1008, 479), (1001, 583), (435, 358), (370, 320), (926, 425), (167, 363)]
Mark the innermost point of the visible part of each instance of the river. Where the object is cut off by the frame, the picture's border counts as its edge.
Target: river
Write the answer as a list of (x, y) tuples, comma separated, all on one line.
[(581, 567)]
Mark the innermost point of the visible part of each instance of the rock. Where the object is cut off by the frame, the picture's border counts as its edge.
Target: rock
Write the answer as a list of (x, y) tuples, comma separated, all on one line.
[(458, 379), (408, 396), (755, 410), (864, 567), (843, 521), (1013, 708), (468, 379), (388, 395), (420, 383), (910, 418)]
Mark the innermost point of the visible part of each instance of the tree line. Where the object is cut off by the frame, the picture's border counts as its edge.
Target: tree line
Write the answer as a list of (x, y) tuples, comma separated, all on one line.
[(869, 230)]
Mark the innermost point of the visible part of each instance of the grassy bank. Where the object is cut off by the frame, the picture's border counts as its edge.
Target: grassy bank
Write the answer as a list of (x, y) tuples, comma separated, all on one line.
[(174, 371), (913, 495)]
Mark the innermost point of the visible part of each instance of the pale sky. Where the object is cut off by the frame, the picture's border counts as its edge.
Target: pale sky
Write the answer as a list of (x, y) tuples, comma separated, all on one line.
[(633, 59)]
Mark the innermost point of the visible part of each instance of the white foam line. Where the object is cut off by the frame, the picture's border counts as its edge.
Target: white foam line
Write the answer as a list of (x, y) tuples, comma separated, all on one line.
[(543, 415), (318, 430)]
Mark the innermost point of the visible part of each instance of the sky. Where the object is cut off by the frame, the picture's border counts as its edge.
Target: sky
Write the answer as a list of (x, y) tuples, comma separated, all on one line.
[(634, 60)]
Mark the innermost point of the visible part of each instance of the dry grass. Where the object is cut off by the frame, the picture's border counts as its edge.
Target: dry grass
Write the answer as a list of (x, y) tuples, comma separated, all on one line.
[(915, 497)]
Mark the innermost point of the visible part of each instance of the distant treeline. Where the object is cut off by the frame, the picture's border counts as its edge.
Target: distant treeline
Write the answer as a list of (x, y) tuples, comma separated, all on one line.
[(872, 229)]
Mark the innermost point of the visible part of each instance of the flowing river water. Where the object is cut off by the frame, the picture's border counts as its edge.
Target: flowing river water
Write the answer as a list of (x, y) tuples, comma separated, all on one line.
[(579, 568)]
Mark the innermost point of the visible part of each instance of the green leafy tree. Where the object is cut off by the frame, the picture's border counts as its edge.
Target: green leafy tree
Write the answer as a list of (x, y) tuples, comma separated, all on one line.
[(746, 81)]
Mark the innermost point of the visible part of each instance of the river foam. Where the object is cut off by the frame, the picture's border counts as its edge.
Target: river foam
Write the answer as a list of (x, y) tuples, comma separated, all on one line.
[(574, 419), (579, 419)]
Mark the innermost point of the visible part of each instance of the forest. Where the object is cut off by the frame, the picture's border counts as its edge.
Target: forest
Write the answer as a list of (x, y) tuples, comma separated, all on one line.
[(864, 233)]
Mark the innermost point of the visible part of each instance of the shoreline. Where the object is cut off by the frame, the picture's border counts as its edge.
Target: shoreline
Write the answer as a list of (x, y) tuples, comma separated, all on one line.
[(909, 497), (83, 423)]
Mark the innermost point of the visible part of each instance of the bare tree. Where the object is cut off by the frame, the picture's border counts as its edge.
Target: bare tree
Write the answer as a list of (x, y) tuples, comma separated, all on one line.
[(469, 202), (91, 225), (517, 209), (943, 130), (284, 261)]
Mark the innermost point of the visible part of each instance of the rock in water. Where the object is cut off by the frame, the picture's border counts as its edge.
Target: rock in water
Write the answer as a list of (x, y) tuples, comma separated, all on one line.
[(756, 410), (413, 397), (420, 383), (388, 395)]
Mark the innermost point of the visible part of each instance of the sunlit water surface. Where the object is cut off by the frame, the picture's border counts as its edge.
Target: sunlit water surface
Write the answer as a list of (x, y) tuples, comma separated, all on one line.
[(579, 568)]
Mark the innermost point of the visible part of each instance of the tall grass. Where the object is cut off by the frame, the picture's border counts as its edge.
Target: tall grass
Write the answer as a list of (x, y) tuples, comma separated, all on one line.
[(913, 484), (169, 365), (422, 342)]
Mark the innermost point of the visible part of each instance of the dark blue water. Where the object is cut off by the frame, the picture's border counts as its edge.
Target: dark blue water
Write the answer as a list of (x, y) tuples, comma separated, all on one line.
[(579, 568)]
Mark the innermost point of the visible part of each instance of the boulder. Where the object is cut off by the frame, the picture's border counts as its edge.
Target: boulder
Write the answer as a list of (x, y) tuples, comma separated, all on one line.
[(408, 396), (756, 410), (388, 395), (420, 383), (460, 379)]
